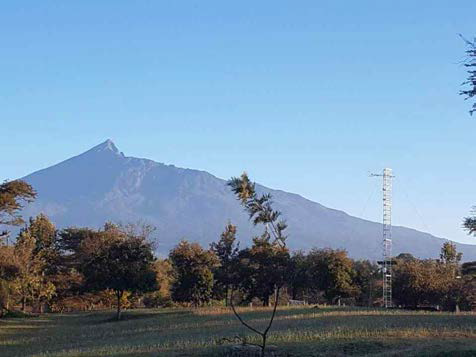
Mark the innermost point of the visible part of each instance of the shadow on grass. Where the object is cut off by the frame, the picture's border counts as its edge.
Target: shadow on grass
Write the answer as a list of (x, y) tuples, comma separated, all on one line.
[(360, 347), (131, 315), (455, 354), (15, 314)]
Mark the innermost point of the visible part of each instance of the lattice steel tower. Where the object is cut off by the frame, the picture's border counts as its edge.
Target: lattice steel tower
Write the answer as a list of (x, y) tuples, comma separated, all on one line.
[(387, 237)]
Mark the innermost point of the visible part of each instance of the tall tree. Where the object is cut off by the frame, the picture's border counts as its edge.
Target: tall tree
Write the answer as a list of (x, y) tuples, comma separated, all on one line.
[(119, 261), (33, 284), (13, 196), (332, 272), (449, 254), (298, 277), (226, 250), (38, 256), (262, 269), (455, 284), (450, 258), (27, 277), (74, 242), (46, 248), (261, 212), (421, 282), (193, 268), (259, 207)]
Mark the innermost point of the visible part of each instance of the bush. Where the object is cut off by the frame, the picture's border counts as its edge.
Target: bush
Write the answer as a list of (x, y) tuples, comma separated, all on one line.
[(157, 299)]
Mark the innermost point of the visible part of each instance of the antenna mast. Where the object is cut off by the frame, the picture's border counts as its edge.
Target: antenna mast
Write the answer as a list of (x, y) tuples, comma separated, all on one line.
[(387, 236)]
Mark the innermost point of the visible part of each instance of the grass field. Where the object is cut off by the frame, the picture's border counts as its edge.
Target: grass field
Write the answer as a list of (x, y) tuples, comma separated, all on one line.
[(302, 331)]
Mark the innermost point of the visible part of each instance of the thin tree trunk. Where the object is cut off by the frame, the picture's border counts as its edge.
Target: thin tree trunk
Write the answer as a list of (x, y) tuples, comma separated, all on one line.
[(119, 296), (370, 293), (227, 291), (294, 293), (266, 301), (265, 333), (7, 304), (263, 348)]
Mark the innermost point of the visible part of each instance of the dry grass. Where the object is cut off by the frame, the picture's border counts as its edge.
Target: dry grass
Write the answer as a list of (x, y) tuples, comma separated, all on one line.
[(300, 331)]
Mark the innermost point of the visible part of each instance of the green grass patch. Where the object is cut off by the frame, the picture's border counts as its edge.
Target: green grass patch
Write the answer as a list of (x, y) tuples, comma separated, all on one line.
[(299, 331)]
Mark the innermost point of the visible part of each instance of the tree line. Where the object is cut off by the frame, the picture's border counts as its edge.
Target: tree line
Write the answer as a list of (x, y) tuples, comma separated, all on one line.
[(320, 276), (73, 269), (46, 269)]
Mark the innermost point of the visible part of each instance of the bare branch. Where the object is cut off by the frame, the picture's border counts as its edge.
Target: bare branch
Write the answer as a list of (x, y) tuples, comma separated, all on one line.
[(239, 317), (276, 299)]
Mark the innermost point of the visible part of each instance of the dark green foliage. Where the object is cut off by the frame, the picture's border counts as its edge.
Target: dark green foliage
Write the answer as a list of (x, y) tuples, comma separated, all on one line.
[(470, 65), (157, 299), (119, 262), (226, 250), (70, 239), (449, 255), (72, 244), (450, 258), (405, 257), (467, 286), (13, 196), (193, 268), (469, 269), (8, 272), (331, 272), (469, 223), (298, 276), (459, 292), (259, 207), (8, 267), (262, 269)]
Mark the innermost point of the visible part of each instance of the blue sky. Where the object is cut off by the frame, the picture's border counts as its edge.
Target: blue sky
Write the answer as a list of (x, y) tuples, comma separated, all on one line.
[(307, 96)]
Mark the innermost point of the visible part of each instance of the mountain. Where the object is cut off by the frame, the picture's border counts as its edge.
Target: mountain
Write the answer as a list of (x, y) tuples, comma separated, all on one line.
[(103, 184)]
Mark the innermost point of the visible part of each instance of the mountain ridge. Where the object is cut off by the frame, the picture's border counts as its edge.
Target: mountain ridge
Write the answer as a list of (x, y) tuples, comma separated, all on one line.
[(102, 184)]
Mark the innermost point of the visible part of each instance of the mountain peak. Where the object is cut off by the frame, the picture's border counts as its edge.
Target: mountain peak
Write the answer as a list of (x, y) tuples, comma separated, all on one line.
[(106, 147)]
